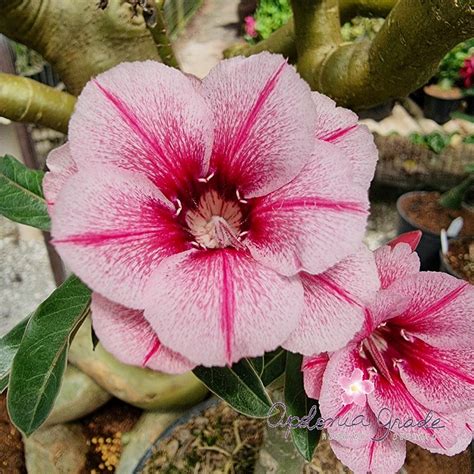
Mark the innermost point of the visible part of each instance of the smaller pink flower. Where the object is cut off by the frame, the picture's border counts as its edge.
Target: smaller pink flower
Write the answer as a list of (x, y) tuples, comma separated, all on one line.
[(355, 388), (467, 72), (250, 26), (415, 347)]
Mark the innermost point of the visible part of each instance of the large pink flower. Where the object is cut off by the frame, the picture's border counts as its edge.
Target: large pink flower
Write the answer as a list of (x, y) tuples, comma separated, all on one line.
[(416, 348), (196, 204)]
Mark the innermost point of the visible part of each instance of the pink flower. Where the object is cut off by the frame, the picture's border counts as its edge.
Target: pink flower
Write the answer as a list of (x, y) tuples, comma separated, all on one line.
[(355, 388), (467, 72), (250, 26), (416, 348), (191, 207)]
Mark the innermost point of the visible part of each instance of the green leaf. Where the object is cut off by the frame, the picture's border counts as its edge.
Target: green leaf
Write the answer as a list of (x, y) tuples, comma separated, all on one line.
[(239, 385), (298, 404), (9, 345), (39, 364), (273, 366), (21, 194), (257, 363)]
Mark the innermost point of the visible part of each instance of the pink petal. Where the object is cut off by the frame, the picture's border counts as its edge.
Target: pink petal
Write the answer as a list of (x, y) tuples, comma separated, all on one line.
[(334, 304), (357, 375), (399, 411), (145, 117), (218, 306), (352, 425), (396, 262), (386, 305), (264, 121), (61, 167), (441, 309), (339, 126), (313, 371), (359, 399), (378, 457), (440, 379), (411, 238), (463, 441), (367, 386), (112, 228), (344, 382), (126, 334), (313, 222)]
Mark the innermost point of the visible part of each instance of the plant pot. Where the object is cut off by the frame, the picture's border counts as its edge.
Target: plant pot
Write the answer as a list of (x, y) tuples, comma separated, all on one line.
[(420, 210), (439, 103), (379, 112), (454, 265), (470, 105), (430, 245)]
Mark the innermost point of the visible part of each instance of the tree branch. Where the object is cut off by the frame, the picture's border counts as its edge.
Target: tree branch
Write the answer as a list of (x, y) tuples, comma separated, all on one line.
[(402, 57), (317, 31), (26, 100), (282, 41), (76, 37), (160, 37)]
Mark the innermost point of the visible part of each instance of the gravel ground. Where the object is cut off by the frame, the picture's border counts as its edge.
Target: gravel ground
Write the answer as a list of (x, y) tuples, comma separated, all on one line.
[(25, 275)]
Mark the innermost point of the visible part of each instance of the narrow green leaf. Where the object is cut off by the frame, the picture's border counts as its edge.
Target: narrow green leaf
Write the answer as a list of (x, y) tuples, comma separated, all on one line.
[(273, 366), (239, 385), (40, 362), (298, 404), (9, 345), (257, 363), (21, 194)]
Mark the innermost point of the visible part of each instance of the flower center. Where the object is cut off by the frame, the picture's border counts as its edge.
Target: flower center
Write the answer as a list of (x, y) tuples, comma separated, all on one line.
[(384, 348), (215, 222), (355, 388)]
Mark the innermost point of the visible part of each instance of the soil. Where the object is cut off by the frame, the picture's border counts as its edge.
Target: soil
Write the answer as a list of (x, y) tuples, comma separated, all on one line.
[(460, 257), (447, 94), (12, 460), (218, 440), (421, 461), (425, 212), (104, 429)]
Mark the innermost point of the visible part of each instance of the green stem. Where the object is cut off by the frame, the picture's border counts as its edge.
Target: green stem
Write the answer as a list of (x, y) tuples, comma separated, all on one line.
[(402, 57), (282, 41), (452, 199), (317, 31), (161, 38), (26, 100)]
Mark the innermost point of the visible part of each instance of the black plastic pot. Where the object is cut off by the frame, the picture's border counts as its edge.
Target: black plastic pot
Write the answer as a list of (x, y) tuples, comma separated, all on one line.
[(430, 244), (439, 109), (198, 409), (470, 105)]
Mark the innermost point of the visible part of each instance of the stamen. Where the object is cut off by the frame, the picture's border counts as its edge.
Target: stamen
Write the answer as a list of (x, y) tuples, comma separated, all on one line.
[(373, 372), (195, 244), (179, 207), (243, 234), (206, 180), (406, 336), (397, 362), (362, 352)]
